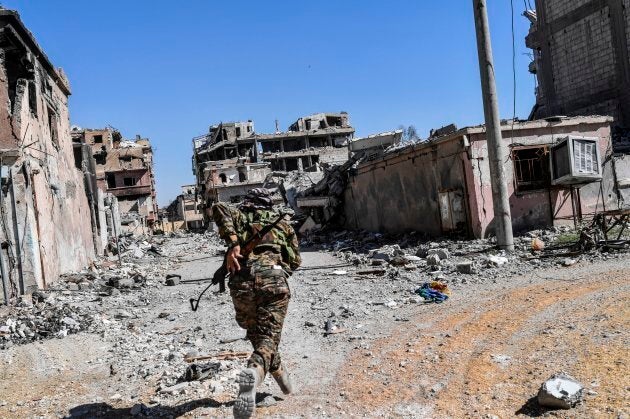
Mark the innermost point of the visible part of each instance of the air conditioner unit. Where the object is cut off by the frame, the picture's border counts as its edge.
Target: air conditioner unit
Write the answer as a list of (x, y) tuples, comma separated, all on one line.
[(575, 161)]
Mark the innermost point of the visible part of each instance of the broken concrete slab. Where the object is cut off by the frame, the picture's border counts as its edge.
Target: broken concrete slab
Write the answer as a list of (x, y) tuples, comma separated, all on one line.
[(560, 391), (441, 252), (465, 267), (433, 259)]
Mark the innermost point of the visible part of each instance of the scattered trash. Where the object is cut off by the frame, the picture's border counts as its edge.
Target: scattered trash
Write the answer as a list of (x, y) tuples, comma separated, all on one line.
[(561, 391), (339, 272), (436, 292), (537, 244)]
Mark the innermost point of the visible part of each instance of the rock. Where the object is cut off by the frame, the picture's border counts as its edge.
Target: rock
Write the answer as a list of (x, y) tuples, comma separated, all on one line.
[(560, 391), (465, 267), (412, 259), (497, 260), (398, 261), (380, 256), (267, 402), (569, 262), (176, 389), (433, 260), (172, 281), (443, 254)]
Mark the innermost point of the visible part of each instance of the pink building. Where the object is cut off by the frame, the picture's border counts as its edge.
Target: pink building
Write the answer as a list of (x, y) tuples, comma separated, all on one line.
[(443, 185)]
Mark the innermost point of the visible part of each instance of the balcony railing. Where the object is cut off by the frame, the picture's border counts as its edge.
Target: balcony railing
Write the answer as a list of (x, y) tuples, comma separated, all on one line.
[(130, 190)]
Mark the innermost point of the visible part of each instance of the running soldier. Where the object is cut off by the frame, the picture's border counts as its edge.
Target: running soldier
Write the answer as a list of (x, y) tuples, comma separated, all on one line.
[(258, 287)]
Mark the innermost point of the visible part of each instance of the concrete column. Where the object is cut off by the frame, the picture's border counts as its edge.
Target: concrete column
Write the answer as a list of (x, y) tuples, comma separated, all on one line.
[(498, 179)]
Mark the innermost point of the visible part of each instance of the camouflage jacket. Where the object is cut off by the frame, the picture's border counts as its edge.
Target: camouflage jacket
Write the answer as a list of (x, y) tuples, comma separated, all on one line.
[(279, 246)]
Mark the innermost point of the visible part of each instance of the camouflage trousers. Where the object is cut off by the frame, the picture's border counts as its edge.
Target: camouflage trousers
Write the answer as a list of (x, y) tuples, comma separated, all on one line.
[(261, 294)]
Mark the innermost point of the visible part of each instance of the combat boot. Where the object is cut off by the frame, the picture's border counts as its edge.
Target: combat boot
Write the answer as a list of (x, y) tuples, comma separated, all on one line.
[(282, 378), (245, 404)]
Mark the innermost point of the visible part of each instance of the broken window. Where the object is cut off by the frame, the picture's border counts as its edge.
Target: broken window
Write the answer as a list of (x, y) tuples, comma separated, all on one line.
[(292, 164), (531, 168), (238, 131), (130, 181), (223, 177), (242, 177), (32, 97), (294, 144), (98, 139), (270, 146), (307, 124), (17, 67), (100, 158), (334, 121), (111, 181), (52, 127), (249, 128)]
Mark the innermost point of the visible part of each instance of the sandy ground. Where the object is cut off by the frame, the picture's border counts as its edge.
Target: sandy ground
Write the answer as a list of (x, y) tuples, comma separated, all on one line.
[(483, 353)]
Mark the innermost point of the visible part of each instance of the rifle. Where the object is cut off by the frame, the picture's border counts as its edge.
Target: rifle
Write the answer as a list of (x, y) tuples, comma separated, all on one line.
[(222, 273)]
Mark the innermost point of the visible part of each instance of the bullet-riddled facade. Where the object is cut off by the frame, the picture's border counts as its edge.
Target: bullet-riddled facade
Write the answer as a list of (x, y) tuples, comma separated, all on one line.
[(49, 225)]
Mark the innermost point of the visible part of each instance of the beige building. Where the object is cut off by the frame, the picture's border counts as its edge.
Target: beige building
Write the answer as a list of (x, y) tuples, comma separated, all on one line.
[(52, 222)]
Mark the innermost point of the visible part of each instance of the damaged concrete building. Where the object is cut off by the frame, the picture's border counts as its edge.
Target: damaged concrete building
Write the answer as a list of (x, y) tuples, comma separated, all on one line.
[(52, 222), (581, 58), (124, 169), (560, 171), (184, 213), (232, 158)]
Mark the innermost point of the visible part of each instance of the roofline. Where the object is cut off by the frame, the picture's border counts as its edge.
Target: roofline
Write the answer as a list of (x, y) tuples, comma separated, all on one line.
[(29, 39), (559, 121)]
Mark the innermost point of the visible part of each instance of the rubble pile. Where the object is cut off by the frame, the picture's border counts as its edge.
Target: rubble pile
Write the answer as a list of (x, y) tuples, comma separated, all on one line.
[(76, 302), (452, 260), (49, 316)]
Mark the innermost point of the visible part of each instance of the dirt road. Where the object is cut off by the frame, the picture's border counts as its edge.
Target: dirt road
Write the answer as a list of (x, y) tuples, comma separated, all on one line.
[(483, 353)]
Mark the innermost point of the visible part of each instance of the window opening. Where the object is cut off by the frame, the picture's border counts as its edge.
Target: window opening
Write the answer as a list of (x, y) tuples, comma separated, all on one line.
[(531, 168)]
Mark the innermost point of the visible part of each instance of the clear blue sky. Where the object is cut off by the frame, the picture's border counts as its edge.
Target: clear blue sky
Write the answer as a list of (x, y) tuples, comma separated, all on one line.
[(168, 70)]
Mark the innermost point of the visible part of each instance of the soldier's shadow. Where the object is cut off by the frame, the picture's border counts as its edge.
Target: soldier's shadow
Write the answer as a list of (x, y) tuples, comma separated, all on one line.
[(104, 410)]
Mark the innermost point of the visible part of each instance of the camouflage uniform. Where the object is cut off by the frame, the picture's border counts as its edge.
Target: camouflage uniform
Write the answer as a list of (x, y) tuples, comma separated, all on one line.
[(260, 291)]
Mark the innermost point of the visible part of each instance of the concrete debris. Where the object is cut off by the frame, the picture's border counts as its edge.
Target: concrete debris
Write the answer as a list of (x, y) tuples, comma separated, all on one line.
[(433, 259), (569, 262), (561, 391), (497, 260), (443, 254), (465, 267)]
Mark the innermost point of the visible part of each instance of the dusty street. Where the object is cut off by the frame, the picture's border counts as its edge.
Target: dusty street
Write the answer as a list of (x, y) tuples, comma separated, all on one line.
[(482, 353)]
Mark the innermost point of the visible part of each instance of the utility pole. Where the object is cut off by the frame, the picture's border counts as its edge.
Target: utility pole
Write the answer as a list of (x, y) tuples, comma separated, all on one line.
[(498, 181)]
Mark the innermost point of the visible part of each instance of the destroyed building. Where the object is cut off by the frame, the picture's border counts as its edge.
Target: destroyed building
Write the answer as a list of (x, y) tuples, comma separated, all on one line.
[(561, 170), (52, 221), (232, 158), (375, 145), (581, 58), (124, 169), (184, 213)]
